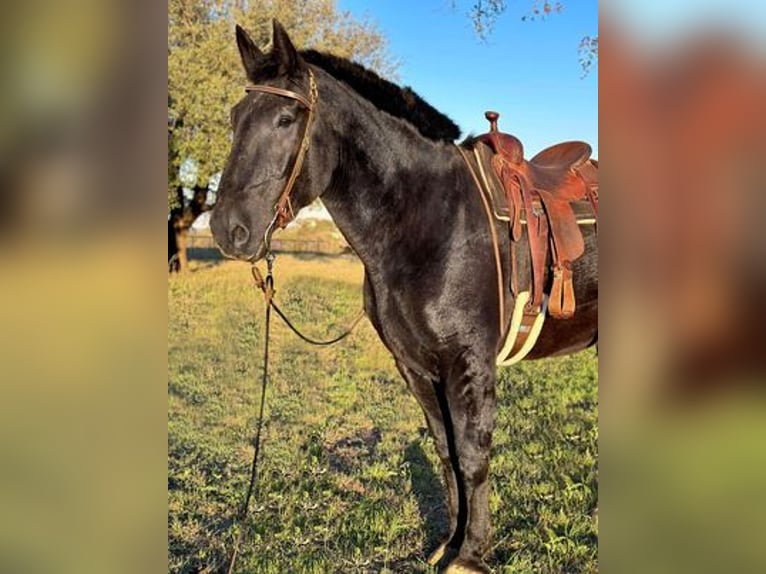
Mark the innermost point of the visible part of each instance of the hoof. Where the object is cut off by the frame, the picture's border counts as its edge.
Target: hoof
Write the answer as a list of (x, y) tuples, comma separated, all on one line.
[(437, 554), (462, 567)]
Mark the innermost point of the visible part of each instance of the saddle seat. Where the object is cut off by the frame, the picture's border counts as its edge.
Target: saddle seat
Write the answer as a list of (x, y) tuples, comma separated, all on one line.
[(562, 156)]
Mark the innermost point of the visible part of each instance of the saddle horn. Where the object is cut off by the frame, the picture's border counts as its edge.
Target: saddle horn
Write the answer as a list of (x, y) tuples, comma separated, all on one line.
[(492, 117)]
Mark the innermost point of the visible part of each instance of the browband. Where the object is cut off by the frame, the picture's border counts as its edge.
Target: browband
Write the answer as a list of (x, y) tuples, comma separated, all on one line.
[(279, 92)]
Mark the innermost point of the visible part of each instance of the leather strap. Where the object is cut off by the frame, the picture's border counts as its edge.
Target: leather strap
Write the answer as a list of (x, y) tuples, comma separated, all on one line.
[(567, 246), (511, 183), (283, 209), (562, 301), (588, 172), (280, 92), (537, 234)]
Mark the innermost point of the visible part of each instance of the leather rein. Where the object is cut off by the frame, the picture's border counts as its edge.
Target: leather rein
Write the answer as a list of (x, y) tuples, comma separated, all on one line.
[(283, 209), (283, 214)]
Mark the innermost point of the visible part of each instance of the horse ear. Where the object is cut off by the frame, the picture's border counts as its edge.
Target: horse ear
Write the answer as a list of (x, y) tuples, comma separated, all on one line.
[(252, 57), (283, 51)]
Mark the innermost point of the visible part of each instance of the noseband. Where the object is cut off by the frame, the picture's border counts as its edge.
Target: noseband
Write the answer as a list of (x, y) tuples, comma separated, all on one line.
[(283, 209)]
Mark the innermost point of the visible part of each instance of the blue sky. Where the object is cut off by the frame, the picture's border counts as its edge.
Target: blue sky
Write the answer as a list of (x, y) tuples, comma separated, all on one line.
[(527, 71), (655, 24)]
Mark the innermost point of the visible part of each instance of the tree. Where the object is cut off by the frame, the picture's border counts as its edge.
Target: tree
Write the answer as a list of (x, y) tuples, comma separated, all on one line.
[(205, 78), (484, 14)]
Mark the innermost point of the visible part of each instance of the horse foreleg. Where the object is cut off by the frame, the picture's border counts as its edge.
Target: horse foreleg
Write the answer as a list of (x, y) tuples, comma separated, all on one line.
[(470, 392), (425, 391)]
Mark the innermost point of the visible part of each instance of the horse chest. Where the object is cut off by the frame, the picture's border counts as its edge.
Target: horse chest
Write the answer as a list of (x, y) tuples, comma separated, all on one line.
[(394, 317)]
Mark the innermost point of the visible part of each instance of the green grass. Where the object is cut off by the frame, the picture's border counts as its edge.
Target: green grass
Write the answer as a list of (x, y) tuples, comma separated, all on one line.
[(349, 480)]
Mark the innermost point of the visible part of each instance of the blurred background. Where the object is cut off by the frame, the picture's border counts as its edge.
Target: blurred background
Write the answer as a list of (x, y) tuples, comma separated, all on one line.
[(83, 148), (82, 286), (681, 411)]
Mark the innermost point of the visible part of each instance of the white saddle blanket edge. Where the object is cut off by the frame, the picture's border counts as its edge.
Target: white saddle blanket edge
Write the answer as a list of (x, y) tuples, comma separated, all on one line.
[(518, 311)]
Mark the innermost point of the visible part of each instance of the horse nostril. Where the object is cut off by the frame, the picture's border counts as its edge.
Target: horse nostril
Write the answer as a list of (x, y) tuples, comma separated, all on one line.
[(239, 235)]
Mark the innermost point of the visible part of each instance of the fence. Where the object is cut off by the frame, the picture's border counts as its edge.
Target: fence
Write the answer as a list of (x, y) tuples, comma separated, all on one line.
[(202, 245)]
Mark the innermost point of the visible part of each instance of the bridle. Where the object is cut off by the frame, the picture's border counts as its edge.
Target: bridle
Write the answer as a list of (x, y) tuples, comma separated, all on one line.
[(283, 209), (283, 214)]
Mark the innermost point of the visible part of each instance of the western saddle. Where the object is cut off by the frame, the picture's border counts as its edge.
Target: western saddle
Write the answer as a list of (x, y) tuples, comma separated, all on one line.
[(542, 194)]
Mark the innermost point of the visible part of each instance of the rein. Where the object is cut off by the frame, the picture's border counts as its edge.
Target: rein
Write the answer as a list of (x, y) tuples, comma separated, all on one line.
[(283, 214), (266, 285)]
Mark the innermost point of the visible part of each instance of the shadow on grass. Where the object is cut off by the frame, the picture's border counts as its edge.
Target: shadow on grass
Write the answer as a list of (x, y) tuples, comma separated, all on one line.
[(429, 493), (209, 552)]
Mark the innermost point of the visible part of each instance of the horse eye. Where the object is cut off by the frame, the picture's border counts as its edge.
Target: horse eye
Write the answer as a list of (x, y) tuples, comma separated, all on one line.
[(284, 121)]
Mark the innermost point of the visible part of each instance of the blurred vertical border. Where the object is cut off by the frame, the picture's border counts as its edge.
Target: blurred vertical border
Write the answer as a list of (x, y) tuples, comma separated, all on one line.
[(682, 91), (83, 286)]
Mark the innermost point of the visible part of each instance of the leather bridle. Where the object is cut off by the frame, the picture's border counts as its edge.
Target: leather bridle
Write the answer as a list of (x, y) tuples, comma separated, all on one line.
[(283, 209)]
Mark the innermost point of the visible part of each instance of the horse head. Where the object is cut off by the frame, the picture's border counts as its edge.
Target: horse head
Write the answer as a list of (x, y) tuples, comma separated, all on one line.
[(265, 182)]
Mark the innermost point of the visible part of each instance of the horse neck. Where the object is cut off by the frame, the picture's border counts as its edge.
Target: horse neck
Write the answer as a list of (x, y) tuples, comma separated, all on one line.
[(393, 193)]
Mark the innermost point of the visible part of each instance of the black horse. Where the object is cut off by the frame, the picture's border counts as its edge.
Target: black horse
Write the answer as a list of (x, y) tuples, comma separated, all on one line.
[(385, 165)]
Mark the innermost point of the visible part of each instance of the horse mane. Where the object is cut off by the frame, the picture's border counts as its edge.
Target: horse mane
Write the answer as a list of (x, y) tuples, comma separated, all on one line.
[(400, 102)]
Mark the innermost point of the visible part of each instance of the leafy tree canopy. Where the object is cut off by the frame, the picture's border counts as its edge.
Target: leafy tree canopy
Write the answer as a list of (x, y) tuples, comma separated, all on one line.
[(205, 78)]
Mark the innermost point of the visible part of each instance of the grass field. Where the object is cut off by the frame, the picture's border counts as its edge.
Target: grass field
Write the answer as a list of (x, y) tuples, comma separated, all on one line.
[(349, 480)]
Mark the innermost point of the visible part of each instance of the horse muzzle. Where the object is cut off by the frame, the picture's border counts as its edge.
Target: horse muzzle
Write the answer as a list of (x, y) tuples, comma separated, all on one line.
[(234, 238)]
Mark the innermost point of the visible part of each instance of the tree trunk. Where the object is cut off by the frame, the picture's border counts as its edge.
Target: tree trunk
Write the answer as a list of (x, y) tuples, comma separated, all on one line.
[(181, 219), (183, 261), (172, 248)]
